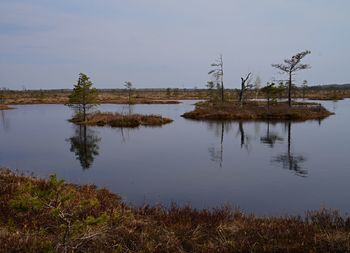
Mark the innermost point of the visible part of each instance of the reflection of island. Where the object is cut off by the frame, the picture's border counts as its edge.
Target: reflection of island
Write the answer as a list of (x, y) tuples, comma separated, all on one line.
[(270, 138), (289, 160), (84, 143)]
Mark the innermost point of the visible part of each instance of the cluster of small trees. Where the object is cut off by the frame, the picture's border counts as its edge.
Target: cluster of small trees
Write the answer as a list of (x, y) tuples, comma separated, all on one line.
[(289, 67), (84, 97)]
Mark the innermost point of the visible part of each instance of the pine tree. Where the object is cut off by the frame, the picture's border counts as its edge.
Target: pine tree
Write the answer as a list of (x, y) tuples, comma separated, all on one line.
[(84, 96)]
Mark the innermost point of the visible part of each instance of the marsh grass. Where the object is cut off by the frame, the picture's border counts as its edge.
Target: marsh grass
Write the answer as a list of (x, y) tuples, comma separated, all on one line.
[(121, 120), (253, 110), (156, 96), (28, 224)]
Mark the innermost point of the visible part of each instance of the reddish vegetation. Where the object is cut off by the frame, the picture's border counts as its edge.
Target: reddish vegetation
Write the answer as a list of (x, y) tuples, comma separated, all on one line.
[(121, 120), (257, 111), (31, 211), (4, 107)]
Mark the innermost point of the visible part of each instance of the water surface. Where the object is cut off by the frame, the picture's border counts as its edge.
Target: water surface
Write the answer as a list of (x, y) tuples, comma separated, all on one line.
[(262, 167)]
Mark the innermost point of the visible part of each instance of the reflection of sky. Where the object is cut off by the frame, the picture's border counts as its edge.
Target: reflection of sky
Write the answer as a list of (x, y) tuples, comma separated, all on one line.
[(154, 43)]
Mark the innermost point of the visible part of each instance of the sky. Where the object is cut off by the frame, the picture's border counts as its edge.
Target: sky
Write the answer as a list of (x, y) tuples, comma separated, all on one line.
[(45, 44)]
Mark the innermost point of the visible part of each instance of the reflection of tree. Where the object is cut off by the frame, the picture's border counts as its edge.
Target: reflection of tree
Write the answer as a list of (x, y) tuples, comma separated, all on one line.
[(4, 121), (125, 133), (270, 138), (128, 108), (289, 160), (245, 140), (216, 155), (84, 144)]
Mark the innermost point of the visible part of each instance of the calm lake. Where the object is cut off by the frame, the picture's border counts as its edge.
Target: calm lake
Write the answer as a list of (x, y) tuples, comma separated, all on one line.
[(261, 167)]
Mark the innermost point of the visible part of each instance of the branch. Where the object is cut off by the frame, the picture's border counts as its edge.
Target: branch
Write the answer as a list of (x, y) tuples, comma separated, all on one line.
[(284, 68)]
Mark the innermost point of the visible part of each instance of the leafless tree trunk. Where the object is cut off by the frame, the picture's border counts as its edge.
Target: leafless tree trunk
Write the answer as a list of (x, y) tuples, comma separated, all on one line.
[(243, 88)]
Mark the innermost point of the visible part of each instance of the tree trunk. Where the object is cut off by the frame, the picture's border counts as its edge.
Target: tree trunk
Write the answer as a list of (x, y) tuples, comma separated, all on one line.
[(241, 93), (290, 90), (222, 91), (84, 113)]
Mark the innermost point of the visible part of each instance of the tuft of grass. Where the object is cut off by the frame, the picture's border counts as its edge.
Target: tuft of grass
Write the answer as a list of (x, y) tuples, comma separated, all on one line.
[(257, 111), (31, 211), (121, 120)]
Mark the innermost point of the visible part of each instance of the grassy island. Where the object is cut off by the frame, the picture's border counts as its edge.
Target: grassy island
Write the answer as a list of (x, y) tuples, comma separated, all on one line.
[(39, 215), (257, 111), (120, 120)]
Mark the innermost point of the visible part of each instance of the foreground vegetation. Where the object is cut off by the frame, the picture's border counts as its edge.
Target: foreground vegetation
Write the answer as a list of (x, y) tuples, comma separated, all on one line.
[(52, 216), (120, 120), (257, 111)]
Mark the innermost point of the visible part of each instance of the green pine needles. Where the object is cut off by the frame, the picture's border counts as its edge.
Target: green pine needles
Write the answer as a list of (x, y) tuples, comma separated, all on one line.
[(84, 97)]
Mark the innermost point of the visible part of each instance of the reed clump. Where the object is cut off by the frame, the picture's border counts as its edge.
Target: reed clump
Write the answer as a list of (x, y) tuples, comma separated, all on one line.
[(39, 215), (257, 111), (120, 120)]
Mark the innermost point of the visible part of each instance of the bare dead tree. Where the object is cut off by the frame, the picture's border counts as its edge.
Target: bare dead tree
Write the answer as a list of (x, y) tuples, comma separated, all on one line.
[(244, 87), (290, 66), (218, 74)]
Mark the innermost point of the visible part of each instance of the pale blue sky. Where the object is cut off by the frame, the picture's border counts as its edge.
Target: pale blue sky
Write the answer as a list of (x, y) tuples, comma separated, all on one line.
[(168, 43)]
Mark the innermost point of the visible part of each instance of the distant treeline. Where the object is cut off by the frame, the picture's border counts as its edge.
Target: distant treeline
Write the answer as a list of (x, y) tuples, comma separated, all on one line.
[(331, 87)]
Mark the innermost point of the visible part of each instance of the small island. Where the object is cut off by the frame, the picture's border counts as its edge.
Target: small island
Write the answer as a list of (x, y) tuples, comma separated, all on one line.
[(120, 120), (85, 97), (254, 110)]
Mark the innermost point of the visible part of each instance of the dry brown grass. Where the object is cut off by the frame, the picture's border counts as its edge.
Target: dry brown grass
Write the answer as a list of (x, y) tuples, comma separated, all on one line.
[(158, 229), (104, 97), (121, 120), (155, 96), (257, 111)]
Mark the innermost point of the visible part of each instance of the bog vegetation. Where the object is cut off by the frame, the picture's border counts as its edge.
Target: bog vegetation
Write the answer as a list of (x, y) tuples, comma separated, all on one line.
[(52, 216), (120, 120), (257, 111)]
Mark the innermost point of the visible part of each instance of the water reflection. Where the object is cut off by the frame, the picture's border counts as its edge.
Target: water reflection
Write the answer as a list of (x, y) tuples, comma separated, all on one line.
[(129, 109), (271, 137), (219, 128), (84, 143), (244, 138), (289, 160), (5, 123), (216, 154)]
